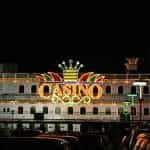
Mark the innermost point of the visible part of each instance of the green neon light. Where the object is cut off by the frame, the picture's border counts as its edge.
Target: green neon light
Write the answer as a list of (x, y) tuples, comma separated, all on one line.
[(132, 95), (126, 105), (132, 98)]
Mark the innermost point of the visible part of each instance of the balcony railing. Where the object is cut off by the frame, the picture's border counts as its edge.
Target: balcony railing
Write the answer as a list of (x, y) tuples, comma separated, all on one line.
[(108, 76), (106, 98), (19, 96), (62, 116)]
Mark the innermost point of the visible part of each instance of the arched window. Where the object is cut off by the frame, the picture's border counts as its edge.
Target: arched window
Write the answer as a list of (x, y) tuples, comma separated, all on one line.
[(120, 110), (133, 111), (45, 110), (120, 90), (82, 110), (95, 110), (95, 91), (58, 110), (32, 110), (146, 111), (8, 110), (146, 90), (21, 88), (133, 90), (20, 110), (108, 90), (70, 110), (33, 89), (46, 90), (108, 111), (4, 109)]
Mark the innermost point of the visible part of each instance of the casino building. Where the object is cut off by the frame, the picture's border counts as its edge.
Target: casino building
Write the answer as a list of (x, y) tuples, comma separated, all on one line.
[(68, 100)]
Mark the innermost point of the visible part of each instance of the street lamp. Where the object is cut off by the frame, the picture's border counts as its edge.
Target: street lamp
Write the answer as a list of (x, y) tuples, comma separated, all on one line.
[(140, 84)]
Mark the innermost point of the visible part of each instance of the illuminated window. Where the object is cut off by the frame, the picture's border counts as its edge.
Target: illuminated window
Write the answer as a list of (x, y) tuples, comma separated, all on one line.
[(146, 90), (133, 90), (82, 111), (32, 110), (120, 110), (21, 89), (146, 111), (45, 110), (46, 90), (133, 111), (58, 110), (33, 89), (120, 90), (108, 89), (20, 110), (70, 110), (95, 110), (108, 111)]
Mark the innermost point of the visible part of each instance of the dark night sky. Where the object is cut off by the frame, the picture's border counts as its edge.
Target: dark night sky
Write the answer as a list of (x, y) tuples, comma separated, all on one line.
[(37, 43), (98, 59)]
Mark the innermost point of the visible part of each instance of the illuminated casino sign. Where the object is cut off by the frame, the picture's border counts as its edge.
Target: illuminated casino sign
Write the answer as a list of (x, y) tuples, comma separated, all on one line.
[(70, 89)]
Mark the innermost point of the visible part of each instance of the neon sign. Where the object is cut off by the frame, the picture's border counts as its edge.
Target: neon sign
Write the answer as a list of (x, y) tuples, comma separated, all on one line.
[(71, 89)]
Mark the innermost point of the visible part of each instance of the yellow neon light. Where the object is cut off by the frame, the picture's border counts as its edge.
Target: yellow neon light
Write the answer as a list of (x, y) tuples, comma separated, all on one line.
[(72, 93)]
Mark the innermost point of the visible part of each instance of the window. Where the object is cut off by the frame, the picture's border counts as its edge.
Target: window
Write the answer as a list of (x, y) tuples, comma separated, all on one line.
[(146, 111), (146, 90), (21, 89), (45, 110), (95, 91), (33, 89), (46, 90), (8, 109), (120, 90), (20, 110), (82, 111), (4, 110), (133, 90), (32, 110), (95, 110), (70, 110), (120, 110), (108, 111), (58, 110), (108, 89), (133, 111)]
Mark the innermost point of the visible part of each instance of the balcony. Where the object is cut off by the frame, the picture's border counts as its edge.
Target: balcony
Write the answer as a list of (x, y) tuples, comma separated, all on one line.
[(108, 76)]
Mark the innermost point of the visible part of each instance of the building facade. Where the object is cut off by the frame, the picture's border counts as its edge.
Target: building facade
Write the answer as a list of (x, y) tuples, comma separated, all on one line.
[(67, 101)]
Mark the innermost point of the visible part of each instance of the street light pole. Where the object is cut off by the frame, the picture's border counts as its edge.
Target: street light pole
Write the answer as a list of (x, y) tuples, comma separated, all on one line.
[(140, 84), (12, 112)]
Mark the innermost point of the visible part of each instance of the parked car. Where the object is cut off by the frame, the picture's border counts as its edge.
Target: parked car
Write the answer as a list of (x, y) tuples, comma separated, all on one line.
[(95, 142), (25, 132), (74, 143), (27, 143)]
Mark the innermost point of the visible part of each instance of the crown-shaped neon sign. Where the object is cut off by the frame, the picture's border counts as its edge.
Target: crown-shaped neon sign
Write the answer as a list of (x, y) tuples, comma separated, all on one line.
[(70, 74)]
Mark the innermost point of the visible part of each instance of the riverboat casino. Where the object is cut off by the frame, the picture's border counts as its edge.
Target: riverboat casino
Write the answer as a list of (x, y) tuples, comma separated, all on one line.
[(68, 100)]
